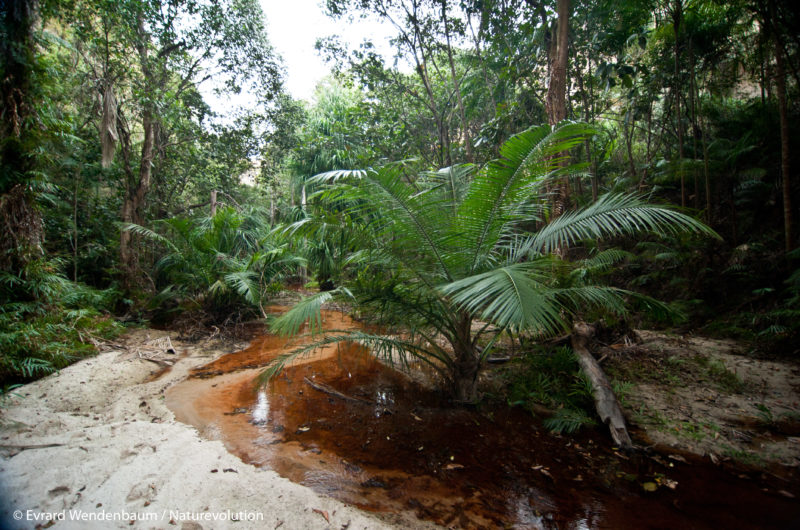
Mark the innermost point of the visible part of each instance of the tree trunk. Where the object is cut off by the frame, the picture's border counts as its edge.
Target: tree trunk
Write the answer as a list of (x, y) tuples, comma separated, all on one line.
[(604, 399), (137, 188), (272, 211), (556, 102), (648, 144), (133, 204), (75, 227), (589, 118), (21, 232), (693, 112), (628, 131), (457, 86), (677, 14), (706, 173), (780, 88)]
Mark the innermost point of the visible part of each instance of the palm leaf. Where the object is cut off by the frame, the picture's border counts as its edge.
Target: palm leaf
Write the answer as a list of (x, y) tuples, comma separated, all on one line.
[(613, 215), (246, 284), (140, 230), (408, 219), (510, 297), (306, 310), (494, 196)]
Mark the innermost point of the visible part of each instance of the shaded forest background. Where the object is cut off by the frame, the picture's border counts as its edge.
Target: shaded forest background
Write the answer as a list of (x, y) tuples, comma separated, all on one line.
[(124, 198)]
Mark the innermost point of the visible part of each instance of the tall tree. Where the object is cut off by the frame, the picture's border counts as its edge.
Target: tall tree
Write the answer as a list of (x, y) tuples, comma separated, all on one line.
[(161, 52), (676, 11), (559, 54), (557, 93), (780, 89), (20, 222)]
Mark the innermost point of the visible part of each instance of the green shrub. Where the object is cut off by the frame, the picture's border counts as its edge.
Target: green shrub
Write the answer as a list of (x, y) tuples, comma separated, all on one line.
[(219, 264), (552, 378), (48, 322)]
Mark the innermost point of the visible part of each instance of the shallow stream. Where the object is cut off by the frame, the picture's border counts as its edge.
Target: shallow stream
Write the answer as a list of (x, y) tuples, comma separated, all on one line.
[(386, 444)]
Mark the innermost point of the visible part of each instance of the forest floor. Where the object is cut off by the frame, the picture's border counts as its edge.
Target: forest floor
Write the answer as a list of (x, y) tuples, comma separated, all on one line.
[(96, 439), (708, 397)]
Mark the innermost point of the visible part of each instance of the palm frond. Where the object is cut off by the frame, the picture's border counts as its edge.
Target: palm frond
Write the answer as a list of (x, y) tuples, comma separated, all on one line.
[(142, 231), (246, 284), (605, 258), (510, 297), (330, 177), (451, 183), (308, 310), (613, 215), (382, 199), (495, 194)]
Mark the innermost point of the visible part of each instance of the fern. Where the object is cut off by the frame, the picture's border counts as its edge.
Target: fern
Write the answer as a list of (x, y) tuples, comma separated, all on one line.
[(568, 421)]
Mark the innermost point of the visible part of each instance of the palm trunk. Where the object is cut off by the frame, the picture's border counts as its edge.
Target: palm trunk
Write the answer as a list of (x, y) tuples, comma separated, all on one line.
[(466, 365)]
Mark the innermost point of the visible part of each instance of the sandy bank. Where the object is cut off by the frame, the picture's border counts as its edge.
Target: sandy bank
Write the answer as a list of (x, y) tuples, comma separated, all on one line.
[(96, 446)]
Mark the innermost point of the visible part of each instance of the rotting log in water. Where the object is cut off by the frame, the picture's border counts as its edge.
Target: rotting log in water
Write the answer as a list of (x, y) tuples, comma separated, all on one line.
[(605, 400), (322, 387)]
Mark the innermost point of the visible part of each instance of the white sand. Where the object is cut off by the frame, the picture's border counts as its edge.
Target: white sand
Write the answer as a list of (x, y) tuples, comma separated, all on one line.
[(121, 454)]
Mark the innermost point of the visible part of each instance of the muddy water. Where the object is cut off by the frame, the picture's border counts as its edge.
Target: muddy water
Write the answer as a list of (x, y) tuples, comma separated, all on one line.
[(391, 446)]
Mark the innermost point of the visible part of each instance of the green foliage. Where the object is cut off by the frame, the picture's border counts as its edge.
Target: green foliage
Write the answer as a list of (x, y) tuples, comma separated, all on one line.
[(551, 378), (568, 420), (220, 264), (462, 248), (48, 322)]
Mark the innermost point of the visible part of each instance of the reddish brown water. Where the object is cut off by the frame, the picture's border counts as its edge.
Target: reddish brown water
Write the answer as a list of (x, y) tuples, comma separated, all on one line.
[(402, 449)]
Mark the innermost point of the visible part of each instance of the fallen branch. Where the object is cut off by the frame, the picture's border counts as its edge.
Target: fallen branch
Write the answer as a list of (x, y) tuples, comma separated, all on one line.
[(13, 450), (322, 387), (497, 360), (604, 399), (159, 362)]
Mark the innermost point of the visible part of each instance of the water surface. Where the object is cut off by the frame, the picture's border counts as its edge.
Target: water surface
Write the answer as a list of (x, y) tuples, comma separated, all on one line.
[(393, 446)]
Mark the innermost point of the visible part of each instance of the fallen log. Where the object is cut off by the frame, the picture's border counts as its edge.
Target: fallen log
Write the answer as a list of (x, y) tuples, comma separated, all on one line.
[(605, 400), (322, 387)]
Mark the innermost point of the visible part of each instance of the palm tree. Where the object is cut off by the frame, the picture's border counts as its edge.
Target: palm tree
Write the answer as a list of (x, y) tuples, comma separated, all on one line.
[(219, 263), (461, 255)]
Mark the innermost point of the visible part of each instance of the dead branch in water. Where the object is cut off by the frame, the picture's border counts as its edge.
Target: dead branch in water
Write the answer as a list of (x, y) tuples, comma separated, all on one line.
[(322, 387)]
